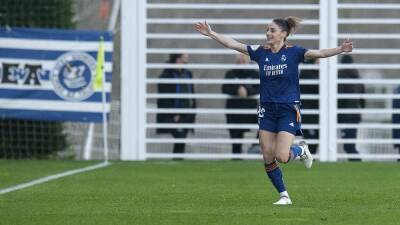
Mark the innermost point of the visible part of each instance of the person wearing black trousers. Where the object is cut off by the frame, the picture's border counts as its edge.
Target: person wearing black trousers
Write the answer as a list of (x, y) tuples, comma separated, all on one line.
[(179, 103), (350, 133), (396, 119), (240, 99)]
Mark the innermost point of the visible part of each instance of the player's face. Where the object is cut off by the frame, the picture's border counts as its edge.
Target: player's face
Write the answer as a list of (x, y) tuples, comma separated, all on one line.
[(275, 34)]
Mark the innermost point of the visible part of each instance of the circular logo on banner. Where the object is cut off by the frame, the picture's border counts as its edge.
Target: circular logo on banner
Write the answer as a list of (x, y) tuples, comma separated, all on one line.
[(73, 76)]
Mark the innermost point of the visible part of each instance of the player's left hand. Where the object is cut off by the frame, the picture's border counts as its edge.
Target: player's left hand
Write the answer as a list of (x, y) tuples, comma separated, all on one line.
[(347, 46), (203, 28)]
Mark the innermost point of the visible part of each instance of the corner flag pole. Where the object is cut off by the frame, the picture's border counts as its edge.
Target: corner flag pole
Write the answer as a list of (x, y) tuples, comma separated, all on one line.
[(99, 84)]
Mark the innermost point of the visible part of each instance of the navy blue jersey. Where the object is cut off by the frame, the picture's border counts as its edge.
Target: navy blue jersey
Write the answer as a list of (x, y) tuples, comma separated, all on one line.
[(279, 72)]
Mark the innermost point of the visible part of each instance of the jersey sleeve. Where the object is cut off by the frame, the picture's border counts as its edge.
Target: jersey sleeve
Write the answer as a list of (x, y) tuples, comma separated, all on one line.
[(301, 51), (254, 52)]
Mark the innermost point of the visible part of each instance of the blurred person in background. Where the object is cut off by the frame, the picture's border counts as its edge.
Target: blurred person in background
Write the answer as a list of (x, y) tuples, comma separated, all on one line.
[(355, 118), (310, 103), (241, 99), (396, 119), (176, 103), (279, 111)]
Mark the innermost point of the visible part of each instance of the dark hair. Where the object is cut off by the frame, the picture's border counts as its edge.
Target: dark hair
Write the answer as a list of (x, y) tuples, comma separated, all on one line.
[(347, 59), (174, 57), (288, 24)]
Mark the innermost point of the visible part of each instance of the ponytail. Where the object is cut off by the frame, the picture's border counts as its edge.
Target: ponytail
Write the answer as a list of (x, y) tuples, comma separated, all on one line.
[(288, 24), (293, 24)]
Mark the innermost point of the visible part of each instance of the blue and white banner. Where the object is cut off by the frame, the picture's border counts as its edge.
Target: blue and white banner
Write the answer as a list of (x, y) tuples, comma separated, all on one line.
[(48, 74)]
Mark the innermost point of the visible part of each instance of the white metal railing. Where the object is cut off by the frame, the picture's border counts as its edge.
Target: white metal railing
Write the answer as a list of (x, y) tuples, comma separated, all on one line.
[(241, 21), (370, 36), (369, 126), (369, 81), (369, 66), (328, 35), (212, 140), (215, 81), (303, 97), (215, 96), (368, 6), (366, 144), (207, 156), (211, 51), (227, 6), (213, 66), (201, 83), (368, 141), (369, 21), (216, 111), (377, 51), (232, 35), (214, 126)]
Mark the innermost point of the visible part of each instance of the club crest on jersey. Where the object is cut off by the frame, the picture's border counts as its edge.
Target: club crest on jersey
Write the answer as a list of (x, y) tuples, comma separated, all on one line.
[(73, 76), (283, 58), (260, 111)]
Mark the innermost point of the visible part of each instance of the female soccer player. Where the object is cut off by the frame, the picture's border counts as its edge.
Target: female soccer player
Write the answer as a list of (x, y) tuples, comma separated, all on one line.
[(279, 110)]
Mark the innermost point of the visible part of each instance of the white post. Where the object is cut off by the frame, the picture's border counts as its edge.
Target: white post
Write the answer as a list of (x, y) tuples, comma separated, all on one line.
[(333, 42), (105, 123), (323, 82), (114, 15), (87, 153), (132, 54), (111, 28), (142, 76)]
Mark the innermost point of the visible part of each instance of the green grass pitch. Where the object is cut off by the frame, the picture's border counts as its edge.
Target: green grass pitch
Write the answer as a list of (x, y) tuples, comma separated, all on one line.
[(200, 192)]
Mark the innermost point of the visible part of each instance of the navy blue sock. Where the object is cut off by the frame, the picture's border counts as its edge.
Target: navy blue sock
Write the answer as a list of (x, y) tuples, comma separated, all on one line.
[(275, 175), (295, 151)]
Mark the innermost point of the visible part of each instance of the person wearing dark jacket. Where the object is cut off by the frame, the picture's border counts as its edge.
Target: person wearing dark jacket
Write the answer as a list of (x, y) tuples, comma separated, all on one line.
[(240, 99), (396, 119), (350, 103), (176, 103)]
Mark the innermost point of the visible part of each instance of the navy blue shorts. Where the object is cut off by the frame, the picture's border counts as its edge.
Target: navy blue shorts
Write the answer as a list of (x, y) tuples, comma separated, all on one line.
[(275, 117)]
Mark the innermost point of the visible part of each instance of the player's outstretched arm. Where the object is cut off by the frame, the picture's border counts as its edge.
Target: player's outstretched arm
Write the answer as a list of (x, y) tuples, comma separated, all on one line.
[(347, 46), (205, 29)]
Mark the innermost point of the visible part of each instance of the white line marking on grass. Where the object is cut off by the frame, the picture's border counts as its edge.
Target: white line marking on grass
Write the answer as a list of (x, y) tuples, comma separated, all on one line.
[(52, 177)]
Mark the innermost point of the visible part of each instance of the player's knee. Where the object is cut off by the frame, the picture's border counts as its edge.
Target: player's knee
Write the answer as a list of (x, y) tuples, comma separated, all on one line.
[(268, 156), (281, 158)]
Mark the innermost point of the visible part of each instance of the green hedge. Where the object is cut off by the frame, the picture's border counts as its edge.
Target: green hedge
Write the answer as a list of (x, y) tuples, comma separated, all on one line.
[(37, 13)]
